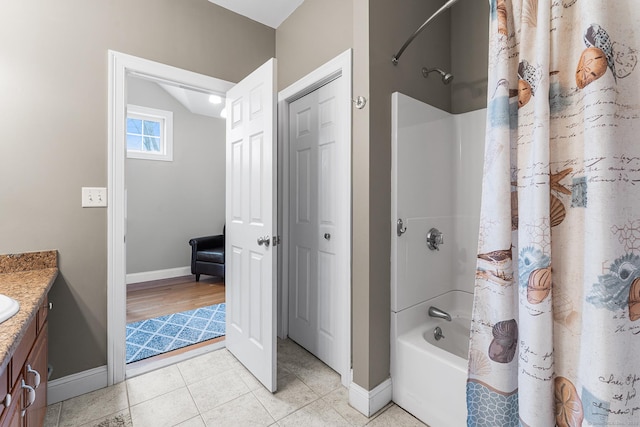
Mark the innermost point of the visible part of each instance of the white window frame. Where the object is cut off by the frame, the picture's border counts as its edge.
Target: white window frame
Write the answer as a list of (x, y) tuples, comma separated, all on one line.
[(166, 133)]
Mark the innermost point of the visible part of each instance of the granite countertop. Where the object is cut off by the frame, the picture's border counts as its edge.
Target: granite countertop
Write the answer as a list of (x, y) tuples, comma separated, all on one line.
[(26, 278)]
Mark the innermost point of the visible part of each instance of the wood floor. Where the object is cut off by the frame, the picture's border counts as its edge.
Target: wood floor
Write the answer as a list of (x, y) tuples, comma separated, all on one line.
[(159, 297)]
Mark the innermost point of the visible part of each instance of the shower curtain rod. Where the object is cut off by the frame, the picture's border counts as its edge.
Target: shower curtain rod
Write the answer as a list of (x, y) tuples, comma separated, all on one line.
[(444, 7)]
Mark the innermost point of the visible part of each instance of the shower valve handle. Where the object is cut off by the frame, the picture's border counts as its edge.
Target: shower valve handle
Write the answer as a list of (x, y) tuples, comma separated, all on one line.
[(434, 239)]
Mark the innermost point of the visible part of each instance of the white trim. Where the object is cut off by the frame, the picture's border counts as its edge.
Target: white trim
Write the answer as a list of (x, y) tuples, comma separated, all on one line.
[(76, 384), (147, 276), (340, 66), (369, 402), (120, 65)]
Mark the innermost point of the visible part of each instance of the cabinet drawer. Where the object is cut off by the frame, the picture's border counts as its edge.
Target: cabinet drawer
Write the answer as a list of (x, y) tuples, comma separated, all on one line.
[(4, 389), (20, 356), (11, 416)]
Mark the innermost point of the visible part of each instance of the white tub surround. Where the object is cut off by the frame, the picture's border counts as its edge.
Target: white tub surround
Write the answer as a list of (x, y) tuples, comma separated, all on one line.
[(436, 175)]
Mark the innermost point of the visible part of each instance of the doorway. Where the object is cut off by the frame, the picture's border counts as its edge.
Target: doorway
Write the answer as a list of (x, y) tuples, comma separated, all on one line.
[(315, 292), (175, 186), (120, 67)]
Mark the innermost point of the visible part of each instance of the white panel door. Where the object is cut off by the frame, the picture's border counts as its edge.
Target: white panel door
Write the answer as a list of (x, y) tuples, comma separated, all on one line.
[(250, 271), (314, 227)]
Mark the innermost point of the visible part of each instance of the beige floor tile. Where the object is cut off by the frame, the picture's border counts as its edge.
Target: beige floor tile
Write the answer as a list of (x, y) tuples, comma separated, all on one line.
[(248, 378), (292, 395), (153, 384), (317, 413), (292, 356), (339, 400), (207, 365), (167, 410), (93, 406), (246, 410), (319, 377), (216, 390), (396, 417), (193, 422), (52, 415), (122, 418)]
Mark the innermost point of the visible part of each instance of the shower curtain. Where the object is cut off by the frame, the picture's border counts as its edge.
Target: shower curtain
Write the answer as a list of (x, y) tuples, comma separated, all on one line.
[(555, 332)]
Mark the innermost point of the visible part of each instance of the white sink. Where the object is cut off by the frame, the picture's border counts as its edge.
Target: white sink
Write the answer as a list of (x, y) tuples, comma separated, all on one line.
[(8, 307)]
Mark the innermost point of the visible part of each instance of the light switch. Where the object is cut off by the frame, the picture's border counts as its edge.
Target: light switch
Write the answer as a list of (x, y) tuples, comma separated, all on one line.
[(94, 197)]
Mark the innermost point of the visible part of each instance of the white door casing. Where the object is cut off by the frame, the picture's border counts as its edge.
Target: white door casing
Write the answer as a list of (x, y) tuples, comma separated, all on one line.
[(250, 255), (339, 69), (313, 223), (120, 65)]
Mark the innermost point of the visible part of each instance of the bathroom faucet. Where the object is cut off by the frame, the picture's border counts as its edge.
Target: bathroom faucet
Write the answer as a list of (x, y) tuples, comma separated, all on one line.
[(436, 312)]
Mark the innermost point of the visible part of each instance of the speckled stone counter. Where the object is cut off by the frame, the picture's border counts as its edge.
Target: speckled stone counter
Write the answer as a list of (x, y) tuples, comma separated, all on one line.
[(26, 278)]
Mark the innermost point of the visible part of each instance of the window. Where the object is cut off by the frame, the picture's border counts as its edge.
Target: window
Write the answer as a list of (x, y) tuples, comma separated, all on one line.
[(149, 133)]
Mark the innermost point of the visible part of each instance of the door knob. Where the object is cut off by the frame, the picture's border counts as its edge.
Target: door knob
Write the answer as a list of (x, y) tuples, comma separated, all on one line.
[(327, 236), (266, 240)]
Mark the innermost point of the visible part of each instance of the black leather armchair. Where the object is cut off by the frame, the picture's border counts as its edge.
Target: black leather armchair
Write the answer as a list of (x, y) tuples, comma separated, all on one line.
[(207, 256)]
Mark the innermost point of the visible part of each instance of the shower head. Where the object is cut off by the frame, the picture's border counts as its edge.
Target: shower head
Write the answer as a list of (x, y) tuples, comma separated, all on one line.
[(446, 77)]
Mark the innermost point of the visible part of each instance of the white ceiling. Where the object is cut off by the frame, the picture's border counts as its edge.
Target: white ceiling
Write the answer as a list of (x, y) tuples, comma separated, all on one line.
[(195, 102), (267, 12)]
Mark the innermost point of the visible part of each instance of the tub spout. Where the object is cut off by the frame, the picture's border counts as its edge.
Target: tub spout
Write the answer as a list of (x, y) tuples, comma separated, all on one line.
[(436, 312)]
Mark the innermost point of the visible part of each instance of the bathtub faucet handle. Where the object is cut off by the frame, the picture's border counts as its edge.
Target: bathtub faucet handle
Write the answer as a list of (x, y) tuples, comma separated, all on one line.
[(434, 239)]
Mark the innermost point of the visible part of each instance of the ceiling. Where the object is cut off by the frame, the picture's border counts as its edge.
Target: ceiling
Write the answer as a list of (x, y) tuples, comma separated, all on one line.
[(195, 102), (267, 12)]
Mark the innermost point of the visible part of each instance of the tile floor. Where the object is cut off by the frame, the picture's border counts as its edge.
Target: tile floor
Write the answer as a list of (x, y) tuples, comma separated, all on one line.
[(216, 390)]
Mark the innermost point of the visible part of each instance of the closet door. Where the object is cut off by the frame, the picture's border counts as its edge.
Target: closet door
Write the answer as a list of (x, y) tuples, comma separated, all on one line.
[(313, 224)]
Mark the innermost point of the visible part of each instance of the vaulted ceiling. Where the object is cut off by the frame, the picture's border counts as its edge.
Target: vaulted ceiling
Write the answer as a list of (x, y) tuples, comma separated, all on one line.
[(267, 12)]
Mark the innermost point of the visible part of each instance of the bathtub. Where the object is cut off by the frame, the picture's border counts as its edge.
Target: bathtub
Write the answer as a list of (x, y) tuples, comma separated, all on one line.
[(429, 376)]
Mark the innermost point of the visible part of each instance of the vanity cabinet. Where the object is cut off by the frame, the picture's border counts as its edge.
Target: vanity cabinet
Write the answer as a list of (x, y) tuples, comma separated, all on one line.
[(23, 383)]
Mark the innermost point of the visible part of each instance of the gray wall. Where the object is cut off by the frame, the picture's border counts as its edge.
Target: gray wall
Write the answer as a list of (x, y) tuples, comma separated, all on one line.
[(53, 81), (170, 202), (469, 55), (313, 34)]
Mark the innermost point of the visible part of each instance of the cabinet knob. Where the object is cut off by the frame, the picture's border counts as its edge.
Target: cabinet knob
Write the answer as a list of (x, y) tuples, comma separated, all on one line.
[(36, 375)]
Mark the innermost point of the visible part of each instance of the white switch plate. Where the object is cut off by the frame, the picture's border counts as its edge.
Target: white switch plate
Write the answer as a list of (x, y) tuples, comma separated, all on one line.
[(94, 197)]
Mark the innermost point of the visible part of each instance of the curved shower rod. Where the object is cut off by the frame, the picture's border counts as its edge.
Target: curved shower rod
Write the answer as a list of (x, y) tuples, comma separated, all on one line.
[(444, 7)]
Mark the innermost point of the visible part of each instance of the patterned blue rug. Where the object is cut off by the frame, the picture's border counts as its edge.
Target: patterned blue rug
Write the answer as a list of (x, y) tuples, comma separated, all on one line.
[(159, 335)]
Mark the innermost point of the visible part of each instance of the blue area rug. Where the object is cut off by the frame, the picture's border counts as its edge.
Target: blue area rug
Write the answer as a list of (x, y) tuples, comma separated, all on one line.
[(159, 335)]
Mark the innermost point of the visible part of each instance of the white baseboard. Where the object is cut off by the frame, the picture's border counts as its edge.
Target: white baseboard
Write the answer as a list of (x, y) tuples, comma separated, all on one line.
[(368, 402), (76, 384), (147, 276)]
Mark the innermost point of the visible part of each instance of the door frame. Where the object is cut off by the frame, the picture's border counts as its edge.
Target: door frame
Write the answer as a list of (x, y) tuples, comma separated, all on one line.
[(121, 65), (340, 66)]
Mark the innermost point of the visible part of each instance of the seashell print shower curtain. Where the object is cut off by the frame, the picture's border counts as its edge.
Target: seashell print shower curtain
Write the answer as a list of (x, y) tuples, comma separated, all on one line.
[(555, 332)]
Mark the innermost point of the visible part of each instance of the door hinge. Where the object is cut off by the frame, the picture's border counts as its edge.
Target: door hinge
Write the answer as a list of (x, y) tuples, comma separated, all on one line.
[(276, 240)]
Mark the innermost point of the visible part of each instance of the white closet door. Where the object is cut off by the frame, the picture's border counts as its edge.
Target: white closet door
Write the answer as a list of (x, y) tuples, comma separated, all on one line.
[(314, 225)]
